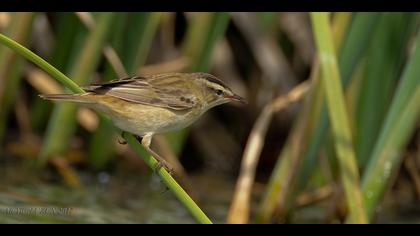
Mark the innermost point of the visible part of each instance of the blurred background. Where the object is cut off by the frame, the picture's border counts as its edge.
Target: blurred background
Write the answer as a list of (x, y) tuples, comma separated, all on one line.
[(275, 160)]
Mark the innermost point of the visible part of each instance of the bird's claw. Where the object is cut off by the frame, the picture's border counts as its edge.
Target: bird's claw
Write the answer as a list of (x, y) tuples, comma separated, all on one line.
[(122, 140), (165, 165)]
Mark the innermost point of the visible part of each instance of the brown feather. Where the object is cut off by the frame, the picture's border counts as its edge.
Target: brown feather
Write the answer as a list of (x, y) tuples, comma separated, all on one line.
[(163, 90)]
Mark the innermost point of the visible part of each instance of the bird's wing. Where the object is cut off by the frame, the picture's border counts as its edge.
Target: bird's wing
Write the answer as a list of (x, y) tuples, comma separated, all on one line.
[(161, 91)]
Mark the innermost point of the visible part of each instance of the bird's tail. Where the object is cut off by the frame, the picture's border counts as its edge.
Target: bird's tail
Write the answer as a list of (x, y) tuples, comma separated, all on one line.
[(79, 98)]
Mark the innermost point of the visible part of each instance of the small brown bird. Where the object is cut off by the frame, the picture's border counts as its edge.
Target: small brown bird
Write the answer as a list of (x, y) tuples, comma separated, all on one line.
[(154, 104)]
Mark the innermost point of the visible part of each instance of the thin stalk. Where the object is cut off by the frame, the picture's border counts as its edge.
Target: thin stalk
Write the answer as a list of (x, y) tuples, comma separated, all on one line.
[(41, 62), (338, 117), (182, 196), (170, 182)]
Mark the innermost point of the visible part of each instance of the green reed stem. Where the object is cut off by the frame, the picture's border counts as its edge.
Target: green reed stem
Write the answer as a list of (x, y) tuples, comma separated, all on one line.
[(41, 63), (330, 78), (170, 182), (182, 196)]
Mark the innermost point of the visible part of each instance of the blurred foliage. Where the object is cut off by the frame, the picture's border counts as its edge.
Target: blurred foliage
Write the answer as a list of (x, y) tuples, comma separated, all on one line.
[(370, 98)]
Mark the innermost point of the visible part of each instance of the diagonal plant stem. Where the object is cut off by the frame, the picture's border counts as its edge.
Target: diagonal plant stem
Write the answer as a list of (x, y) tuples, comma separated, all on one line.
[(338, 116), (170, 182), (41, 63)]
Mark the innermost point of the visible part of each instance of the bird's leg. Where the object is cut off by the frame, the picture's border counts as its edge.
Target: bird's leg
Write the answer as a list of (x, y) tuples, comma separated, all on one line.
[(122, 141), (145, 142)]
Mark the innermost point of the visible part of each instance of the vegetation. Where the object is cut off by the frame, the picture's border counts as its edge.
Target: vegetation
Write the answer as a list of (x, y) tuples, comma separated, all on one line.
[(331, 124)]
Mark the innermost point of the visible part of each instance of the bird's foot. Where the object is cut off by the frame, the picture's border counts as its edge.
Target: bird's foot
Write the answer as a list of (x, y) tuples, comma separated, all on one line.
[(161, 162), (121, 139), (164, 164)]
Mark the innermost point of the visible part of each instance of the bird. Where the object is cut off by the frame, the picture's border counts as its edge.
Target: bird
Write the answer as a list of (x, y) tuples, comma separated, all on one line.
[(153, 104)]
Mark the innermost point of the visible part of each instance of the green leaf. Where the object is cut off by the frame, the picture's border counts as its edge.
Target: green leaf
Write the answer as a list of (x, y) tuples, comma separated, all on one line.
[(398, 127), (383, 63)]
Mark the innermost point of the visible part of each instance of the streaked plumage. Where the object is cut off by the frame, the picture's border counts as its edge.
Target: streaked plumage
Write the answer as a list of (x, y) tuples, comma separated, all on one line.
[(156, 103)]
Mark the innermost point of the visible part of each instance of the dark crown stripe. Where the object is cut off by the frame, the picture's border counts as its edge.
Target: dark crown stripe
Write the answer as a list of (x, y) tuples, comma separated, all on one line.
[(210, 78)]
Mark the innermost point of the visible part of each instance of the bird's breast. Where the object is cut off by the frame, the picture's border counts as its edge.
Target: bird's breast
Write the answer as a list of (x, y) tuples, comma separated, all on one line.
[(141, 119)]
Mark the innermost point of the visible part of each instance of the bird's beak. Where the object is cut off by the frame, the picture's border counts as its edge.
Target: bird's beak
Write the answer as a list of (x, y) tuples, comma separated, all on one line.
[(238, 98)]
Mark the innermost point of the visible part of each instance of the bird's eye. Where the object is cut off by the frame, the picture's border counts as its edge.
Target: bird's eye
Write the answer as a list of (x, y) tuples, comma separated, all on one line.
[(219, 92)]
